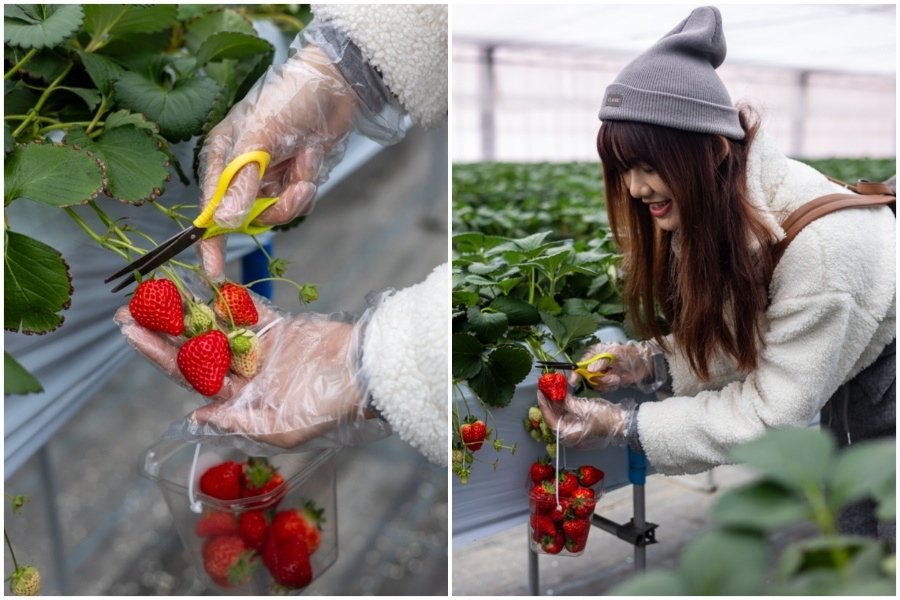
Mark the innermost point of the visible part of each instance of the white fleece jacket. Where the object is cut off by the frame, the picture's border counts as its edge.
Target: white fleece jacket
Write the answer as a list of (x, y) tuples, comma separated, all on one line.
[(407, 43), (831, 313), (406, 359)]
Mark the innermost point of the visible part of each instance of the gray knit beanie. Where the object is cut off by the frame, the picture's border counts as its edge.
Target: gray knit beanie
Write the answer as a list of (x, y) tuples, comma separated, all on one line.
[(674, 83)]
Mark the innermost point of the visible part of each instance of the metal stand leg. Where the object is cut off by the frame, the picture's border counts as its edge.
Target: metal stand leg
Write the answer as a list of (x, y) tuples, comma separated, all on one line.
[(533, 574), (640, 551)]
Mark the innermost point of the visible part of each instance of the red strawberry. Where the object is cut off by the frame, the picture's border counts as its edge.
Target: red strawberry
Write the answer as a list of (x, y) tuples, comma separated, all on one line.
[(312, 517), (554, 386), (575, 547), (582, 502), (287, 525), (541, 525), (561, 511), (227, 560), (567, 483), (577, 530), (261, 477), (234, 305), (543, 496), (204, 361), (216, 522), (589, 475), (222, 481), (288, 562), (553, 544), (156, 305), (541, 470), (473, 434), (254, 526)]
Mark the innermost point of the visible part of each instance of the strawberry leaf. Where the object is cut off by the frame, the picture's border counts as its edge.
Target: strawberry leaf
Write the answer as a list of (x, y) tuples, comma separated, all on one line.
[(496, 383), (52, 174), (16, 380), (208, 25), (488, 326), (37, 285), (102, 71), (517, 311), (40, 25), (466, 356), (135, 168), (180, 111), (811, 453), (8, 141), (231, 44), (106, 22)]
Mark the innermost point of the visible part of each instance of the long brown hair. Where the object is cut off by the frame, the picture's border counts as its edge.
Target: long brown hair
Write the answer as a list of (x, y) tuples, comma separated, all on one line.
[(711, 284)]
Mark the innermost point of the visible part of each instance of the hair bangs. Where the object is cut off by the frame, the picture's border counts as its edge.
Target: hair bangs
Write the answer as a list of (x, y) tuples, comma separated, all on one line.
[(624, 144)]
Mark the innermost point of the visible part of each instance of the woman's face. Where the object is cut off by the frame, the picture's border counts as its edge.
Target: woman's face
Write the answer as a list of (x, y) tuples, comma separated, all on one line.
[(647, 187)]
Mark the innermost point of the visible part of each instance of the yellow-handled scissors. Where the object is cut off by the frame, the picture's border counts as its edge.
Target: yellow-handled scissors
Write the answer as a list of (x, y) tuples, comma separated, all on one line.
[(203, 226), (592, 377)]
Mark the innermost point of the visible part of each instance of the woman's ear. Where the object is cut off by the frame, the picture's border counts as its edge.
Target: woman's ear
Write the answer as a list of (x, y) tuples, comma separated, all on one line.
[(722, 149)]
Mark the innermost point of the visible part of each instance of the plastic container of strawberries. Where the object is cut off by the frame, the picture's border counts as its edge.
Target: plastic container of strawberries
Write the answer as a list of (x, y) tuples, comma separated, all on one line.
[(202, 521), (560, 525)]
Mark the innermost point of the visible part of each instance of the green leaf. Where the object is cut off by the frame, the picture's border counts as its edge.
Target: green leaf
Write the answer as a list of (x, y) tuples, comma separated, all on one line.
[(496, 383), (488, 326), (208, 25), (861, 470), (518, 312), (179, 112), (823, 554), (44, 26), (135, 168), (466, 356), (16, 380), (725, 563), (52, 174), (886, 497), (47, 65), (652, 583), (762, 506), (8, 141), (102, 71), (811, 453), (37, 285), (568, 329), (109, 21), (231, 44), (90, 97), (460, 297), (123, 118)]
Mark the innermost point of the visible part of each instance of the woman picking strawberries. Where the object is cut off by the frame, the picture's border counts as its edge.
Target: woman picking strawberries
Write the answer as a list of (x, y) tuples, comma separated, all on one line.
[(697, 194)]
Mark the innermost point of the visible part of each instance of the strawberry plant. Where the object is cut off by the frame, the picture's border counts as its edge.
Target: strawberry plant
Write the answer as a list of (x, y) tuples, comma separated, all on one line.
[(515, 300), (95, 97)]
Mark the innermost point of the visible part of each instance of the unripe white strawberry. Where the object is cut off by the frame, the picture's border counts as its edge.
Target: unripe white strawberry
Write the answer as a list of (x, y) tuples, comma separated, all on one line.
[(244, 352), (25, 581), (199, 319)]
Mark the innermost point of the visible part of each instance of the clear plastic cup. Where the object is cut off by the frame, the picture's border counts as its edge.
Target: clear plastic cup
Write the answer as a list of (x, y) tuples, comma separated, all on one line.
[(309, 485), (559, 525)]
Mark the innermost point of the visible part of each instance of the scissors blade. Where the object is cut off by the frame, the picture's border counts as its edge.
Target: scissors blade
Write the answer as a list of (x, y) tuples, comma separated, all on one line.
[(158, 256), (557, 365)]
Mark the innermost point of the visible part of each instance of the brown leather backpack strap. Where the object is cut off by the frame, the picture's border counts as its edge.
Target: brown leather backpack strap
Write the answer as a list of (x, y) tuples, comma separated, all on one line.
[(864, 187), (820, 207)]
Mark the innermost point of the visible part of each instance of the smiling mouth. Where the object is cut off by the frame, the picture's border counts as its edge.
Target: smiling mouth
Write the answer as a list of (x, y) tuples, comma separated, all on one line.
[(660, 209)]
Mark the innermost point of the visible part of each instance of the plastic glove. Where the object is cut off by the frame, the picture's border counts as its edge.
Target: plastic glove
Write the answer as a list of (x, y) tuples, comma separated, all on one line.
[(588, 422), (309, 389), (300, 112), (638, 364)]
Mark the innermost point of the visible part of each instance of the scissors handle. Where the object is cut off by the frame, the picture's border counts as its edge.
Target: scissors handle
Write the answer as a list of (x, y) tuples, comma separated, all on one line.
[(205, 218), (593, 377)]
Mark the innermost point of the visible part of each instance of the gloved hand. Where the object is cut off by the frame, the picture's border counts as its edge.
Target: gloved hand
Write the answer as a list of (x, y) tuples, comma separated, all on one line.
[(309, 389), (300, 112), (638, 364), (588, 422)]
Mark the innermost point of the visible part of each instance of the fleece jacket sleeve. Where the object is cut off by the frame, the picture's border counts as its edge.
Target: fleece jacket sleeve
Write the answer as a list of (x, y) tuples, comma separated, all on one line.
[(406, 360), (407, 44), (830, 314)]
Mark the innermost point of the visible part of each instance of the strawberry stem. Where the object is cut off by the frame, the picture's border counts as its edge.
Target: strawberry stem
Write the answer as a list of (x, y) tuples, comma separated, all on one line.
[(11, 553)]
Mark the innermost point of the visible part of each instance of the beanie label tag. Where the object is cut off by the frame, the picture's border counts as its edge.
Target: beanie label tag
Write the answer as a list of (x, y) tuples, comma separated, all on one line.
[(614, 100)]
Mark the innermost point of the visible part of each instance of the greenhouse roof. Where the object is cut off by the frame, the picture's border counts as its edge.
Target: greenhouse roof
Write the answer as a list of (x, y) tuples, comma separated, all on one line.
[(854, 38)]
